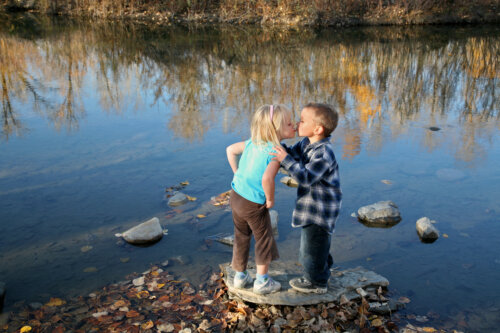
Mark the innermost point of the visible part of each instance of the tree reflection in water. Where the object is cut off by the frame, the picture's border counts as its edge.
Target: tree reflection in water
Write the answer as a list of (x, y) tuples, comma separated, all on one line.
[(378, 78)]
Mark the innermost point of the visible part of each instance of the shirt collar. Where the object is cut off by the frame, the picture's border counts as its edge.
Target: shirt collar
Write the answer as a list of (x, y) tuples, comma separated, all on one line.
[(317, 143)]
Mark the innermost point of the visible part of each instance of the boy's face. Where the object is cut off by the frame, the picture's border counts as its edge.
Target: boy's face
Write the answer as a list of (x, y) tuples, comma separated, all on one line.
[(307, 124)]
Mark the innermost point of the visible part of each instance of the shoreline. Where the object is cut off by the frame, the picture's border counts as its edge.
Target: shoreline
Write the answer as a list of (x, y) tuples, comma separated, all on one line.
[(156, 301), (389, 15)]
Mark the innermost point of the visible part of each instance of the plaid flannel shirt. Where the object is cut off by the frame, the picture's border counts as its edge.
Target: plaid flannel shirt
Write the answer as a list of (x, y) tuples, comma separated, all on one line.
[(319, 196)]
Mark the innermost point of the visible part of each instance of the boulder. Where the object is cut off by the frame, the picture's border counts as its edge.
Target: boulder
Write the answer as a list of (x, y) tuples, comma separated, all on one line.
[(342, 284), (144, 233), (178, 199), (380, 214), (289, 181), (426, 230)]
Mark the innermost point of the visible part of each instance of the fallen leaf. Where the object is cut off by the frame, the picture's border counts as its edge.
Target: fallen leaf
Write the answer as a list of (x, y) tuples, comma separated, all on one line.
[(147, 325), (91, 269), (368, 259), (124, 260), (445, 235), (429, 329), (185, 183), (386, 181), (142, 294), (160, 285), (377, 322), (404, 300), (86, 248), (25, 329), (200, 216), (190, 198), (132, 314), (55, 302)]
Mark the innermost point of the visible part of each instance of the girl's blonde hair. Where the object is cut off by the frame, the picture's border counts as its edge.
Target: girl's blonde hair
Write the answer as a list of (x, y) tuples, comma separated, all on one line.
[(263, 128)]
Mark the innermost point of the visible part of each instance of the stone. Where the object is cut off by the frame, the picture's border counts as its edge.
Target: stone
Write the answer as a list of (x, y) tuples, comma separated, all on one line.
[(426, 230), (450, 175), (380, 214), (289, 181), (144, 233), (178, 199), (342, 284)]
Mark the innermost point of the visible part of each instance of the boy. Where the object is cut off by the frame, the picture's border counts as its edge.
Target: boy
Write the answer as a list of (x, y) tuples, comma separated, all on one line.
[(312, 163)]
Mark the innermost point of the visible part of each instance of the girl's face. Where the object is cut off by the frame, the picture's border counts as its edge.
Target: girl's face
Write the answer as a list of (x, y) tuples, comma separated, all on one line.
[(288, 129)]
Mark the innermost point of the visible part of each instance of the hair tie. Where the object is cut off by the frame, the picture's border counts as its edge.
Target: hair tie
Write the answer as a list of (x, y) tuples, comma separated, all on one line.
[(271, 109)]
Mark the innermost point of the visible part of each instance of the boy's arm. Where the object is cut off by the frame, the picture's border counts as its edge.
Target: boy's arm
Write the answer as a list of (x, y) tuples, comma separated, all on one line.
[(294, 150), (268, 182), (232, 152), (310, 173)]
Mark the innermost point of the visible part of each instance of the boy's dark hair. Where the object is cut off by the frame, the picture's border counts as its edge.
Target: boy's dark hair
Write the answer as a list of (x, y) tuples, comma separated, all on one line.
[(326, 116)]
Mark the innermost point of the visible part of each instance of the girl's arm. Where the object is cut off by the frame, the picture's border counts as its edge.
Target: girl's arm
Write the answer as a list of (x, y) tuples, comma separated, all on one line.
[(268, 182), (232, 152)]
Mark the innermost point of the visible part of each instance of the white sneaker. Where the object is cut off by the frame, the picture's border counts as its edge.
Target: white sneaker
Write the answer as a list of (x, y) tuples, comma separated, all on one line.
[(242, 282), (268, 286)]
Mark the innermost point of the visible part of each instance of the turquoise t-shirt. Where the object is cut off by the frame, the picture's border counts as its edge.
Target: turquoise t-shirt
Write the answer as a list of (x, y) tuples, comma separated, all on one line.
[(247, 180)]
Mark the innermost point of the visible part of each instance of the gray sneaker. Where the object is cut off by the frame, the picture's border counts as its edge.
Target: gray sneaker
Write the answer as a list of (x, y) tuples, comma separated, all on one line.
[(242, 282), (266, 287), (305, 286)]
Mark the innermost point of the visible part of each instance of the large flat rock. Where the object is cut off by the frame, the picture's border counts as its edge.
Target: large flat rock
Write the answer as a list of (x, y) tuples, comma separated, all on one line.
[(342, 282)]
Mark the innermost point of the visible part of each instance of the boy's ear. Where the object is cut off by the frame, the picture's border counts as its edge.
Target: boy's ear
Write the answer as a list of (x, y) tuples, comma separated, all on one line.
[(319, 130)]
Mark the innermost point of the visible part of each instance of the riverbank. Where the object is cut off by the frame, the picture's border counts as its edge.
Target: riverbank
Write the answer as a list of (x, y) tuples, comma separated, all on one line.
[(282, 13), (156, 301)]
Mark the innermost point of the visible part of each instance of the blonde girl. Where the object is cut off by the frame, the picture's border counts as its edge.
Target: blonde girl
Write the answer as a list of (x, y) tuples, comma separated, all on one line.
[(253, 194)]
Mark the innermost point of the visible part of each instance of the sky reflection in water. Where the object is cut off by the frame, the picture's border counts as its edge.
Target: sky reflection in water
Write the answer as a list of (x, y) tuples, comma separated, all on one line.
[(98, 120)]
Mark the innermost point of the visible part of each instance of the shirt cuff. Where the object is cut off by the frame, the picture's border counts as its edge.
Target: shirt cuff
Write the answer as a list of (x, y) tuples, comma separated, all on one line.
[(287, 162)]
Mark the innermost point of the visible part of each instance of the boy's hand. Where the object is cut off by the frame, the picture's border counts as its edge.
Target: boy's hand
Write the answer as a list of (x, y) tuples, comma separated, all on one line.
[(269, 204), (280, 153)]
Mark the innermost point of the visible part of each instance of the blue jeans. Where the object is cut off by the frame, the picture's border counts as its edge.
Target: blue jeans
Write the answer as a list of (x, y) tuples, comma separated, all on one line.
[(314, 254)]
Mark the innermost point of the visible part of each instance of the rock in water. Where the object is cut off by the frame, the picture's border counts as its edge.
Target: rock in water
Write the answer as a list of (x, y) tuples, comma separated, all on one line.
[(380, 214), (289, 181), (178, 199), (144, 233), (426, 230), (341, 285)]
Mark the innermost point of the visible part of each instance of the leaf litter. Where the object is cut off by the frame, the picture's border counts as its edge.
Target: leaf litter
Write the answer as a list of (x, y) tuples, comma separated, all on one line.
[(157, 301)]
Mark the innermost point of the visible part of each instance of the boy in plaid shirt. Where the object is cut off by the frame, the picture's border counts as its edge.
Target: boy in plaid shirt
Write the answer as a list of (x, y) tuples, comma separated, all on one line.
[(312, 163)]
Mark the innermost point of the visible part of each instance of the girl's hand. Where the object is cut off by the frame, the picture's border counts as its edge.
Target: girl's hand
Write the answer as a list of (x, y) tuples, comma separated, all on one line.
[(280, 153), (269, 204)]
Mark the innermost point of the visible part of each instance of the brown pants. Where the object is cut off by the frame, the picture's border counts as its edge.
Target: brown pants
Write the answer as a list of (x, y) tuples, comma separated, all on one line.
[(250, 217)]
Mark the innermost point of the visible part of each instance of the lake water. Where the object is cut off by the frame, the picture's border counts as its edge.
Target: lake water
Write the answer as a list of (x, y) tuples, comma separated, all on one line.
[(99, 119)]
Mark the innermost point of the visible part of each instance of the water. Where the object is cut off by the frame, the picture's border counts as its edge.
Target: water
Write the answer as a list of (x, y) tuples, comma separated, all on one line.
[(98, 119)]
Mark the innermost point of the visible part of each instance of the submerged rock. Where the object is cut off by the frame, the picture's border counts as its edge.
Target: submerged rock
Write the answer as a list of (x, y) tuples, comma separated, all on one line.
[(380, 214), (342, 285), (178, 199), (426, 230), (144, 233)]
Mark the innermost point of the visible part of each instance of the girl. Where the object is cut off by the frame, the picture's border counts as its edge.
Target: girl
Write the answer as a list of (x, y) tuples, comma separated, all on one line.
[(253, 194)]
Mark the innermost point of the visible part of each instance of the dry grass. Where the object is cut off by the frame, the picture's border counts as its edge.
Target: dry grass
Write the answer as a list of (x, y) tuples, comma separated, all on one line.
[(289, 12)]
